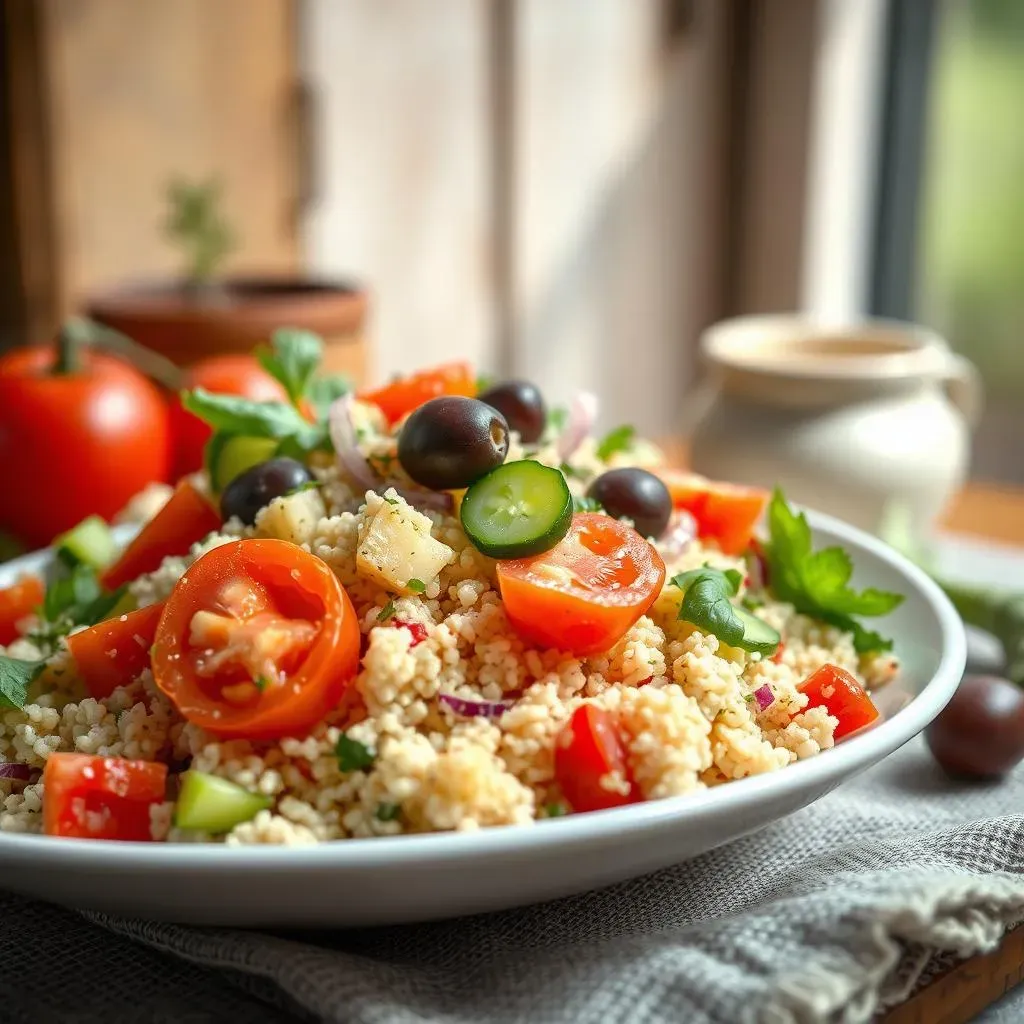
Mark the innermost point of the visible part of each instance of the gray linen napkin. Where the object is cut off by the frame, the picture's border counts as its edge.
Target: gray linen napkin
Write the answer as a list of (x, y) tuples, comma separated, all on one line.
[(829, 915)]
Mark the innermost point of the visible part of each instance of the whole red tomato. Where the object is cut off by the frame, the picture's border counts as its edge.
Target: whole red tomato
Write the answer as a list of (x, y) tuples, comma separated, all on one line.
[(226, 375), (77, 438)]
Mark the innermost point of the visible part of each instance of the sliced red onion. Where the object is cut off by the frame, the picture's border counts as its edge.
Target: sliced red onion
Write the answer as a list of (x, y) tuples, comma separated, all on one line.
[(764, 697), (11, 770), (343, 436), (681, 533), (582, 414), (474, 708), (757, 566)]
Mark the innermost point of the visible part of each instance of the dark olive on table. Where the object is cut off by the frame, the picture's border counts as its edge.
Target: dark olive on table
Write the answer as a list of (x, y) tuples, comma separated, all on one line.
[(259, 485), (634, 494), (449, 442), (522, 405), (980, 733)]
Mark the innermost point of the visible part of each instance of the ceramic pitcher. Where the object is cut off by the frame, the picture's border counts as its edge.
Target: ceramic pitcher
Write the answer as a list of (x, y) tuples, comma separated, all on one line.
[(865, 423)]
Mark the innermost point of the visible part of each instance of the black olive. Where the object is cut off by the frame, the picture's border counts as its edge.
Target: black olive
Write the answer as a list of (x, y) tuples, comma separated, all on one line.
[(634, 494), (522, 405), (980, 733), (449, 442), (259, 485)]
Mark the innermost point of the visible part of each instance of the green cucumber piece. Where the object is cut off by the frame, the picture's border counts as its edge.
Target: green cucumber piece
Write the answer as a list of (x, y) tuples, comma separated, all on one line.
[(208, 803), (88, 543), (758, 636), (517, 510), (234, 455)]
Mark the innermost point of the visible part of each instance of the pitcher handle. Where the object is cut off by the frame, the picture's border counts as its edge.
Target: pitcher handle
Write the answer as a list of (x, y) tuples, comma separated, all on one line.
[(963, 387)]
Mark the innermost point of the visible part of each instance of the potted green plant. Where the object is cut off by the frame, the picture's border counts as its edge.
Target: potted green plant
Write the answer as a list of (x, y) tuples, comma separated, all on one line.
[(204, 313)]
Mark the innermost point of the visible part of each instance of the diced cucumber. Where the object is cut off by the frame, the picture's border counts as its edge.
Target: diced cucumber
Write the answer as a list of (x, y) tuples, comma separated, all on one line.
[(517, 510), (758, 636), (208, 803), (88, 543), (234, 455)]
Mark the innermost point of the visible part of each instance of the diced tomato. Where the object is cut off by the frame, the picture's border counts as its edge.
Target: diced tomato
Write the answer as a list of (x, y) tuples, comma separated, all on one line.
[(835, 690), (400, 397), (585, 593), (100, 797), (416, 629), (726, 513), (17, 601), (113, 653), (590, 762), (257, 640), (188, 517), (779, 651)]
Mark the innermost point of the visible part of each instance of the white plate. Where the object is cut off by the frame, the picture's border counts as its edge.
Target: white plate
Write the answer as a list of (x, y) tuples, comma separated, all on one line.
[(411, 878)]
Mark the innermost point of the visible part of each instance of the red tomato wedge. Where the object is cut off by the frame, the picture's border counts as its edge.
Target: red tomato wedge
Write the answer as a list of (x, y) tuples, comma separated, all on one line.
[(188, 517), (113, 653), (585, 593), (589, 757), (726, 513), (17, 601), (835, 690), (100, 797), (257, 640), (400, 397)]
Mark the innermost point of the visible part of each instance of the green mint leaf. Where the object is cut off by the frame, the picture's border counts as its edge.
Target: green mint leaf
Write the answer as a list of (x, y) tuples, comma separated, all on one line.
[(323, 391), (618, 440), (236, 415), (15, 678), (388, 812), (292, 359), (416, 586), (352, 755), (387, 611)]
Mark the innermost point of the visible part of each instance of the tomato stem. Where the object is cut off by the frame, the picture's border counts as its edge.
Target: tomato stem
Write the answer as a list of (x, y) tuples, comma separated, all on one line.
[(70, 339), (78, 333)]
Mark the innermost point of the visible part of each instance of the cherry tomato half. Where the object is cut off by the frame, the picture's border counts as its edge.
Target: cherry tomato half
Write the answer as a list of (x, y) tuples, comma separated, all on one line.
[(834, 689), (257, 640), (100, 797), (228, 375), (588, 754), (16, 602), (113, 652), (726, 513), (402, 396), (585, 593)]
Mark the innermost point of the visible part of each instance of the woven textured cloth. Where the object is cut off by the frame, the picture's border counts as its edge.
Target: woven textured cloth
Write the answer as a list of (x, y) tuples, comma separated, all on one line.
[(829, 915)]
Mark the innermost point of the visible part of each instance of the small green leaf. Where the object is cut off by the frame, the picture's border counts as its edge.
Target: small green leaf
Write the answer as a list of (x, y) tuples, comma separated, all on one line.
[(79, 588), (324, 391), (15, 678), (387, 611), (99, 608), (585, 504), (292, 359), (388, 812), (261, 683), (237, 415), (309, 485), (416, 586), (555, 811), (556, 420), (618, 440), (484, 382), (352, 755)]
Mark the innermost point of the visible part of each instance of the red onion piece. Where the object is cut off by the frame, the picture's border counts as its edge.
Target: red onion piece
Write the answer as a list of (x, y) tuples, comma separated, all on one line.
[(416, 629), (474, 708), (681, 533), (343, 436), (764, 697), (11, 770), (757, 566), (582, 414)]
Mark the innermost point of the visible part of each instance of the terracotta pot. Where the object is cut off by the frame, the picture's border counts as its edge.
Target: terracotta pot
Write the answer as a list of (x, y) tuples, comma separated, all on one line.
[(240, 315)]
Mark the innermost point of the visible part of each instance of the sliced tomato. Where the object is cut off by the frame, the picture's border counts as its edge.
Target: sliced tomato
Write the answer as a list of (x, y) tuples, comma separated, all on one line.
[(17, 601), (725, 513), (586, 592), (257, 640), (400, 397), (835, 690), (113, 653), (188, 517), (590, 762), (90, 797)]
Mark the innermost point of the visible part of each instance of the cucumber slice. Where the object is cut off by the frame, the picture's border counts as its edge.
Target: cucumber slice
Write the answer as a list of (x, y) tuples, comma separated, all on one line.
[(758, 636), (234, 455), (517, 510), (208, 803), (88, 543)]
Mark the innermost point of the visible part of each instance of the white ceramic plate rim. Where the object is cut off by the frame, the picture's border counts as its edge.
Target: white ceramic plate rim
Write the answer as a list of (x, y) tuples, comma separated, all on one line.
[(828, 768)]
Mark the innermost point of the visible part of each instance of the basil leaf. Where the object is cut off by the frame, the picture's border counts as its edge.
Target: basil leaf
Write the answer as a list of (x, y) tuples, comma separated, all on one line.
[(237, 415), (323, 391), (292, 359), (15, 678), (63, 595), (352, 755), (618, 440), (99, 608)]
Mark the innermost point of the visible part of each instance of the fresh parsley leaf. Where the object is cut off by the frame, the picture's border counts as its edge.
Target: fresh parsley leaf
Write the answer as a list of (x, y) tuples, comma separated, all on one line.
[(309, 485), (99, 608), (236, 415), (585, 504), (292, 359), (618, 440), (80, 588), (484, 382), (387, 611), (390, 501), (557, 418), (751, 603), (323, 391), (416, 586), (261, 683), (15, 678), (388, 812), (352, 755), (816, 583), (572, 472), (555, 811)]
